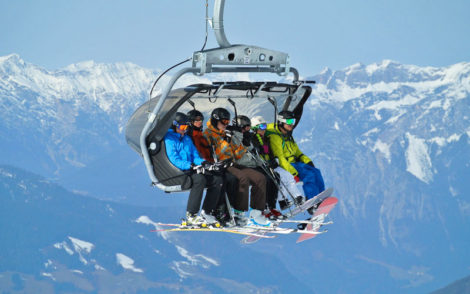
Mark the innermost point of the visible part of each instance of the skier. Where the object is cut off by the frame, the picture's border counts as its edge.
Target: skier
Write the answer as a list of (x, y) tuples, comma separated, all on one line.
[(196, 119), (291, 158), (183, 154), (286, 181), (241, 126), (224, 148)]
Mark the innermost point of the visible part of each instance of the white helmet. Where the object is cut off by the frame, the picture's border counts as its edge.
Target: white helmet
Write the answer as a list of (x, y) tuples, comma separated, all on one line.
[(255, 121)]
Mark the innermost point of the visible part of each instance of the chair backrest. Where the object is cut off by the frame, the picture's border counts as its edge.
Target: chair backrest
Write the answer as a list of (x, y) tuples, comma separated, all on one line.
[(171, 178)]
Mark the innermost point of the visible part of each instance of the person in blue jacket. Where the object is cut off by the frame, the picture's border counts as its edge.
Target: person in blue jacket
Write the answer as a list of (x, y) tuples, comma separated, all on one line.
[(183, 154)]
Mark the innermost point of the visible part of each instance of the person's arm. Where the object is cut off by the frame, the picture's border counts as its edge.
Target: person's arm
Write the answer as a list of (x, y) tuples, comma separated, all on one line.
[(275, 142), (174, 156)]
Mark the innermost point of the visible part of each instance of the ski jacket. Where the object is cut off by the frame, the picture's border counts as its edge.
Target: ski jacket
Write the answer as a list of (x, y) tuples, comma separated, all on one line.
[(201, 143), (223, 148), (285, 149), (181, 150), (261, 143), (248, 158)]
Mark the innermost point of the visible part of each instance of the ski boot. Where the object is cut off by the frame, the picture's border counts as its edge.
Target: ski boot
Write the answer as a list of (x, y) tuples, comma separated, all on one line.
[(193, 220), (240, 218), (209, 219), (258, 219), (273, 214)]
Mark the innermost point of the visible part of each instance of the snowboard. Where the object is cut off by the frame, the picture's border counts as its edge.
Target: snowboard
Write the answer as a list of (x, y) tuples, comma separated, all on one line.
[(318, 218), (309, 203)]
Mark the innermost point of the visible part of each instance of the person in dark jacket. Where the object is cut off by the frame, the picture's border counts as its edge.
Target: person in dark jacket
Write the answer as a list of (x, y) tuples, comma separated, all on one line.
[(196, 119), (182, 153), (241, 127)]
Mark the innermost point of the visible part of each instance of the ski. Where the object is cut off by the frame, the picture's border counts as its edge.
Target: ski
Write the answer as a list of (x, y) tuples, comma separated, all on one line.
[(179, 228), (318, 218)]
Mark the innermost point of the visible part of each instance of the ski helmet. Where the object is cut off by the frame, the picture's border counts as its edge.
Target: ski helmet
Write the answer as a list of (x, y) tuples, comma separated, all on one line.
[(242, 121), (195, 115), (180, 119), (286, 117), (220, 114), (258, 122)]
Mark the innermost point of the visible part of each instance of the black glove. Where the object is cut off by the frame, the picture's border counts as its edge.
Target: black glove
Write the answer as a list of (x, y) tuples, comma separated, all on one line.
[(311, 164), (246, 138), (273, 163)]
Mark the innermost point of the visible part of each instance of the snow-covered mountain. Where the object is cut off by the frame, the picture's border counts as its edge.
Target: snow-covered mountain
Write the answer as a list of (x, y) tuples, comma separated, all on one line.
[(395, 134), (55, 241), (392, 139)]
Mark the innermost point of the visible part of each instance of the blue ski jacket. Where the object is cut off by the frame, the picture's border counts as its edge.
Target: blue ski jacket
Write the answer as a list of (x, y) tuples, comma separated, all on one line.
[(181, 150)]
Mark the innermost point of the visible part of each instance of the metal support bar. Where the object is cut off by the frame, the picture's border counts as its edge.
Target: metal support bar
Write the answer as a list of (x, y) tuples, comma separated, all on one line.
[(218, 24)]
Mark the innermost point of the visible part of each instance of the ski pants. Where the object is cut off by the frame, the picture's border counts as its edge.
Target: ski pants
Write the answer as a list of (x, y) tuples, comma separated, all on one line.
[(214, 186), (231, 188), (311, 177), (271, 189), (288, 186), (246, 177)]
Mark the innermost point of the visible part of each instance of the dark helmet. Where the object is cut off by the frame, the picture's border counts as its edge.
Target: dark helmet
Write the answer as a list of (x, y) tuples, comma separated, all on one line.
[(180, 119), (195, 115), (242, 121), (286, 117), (219, 114)]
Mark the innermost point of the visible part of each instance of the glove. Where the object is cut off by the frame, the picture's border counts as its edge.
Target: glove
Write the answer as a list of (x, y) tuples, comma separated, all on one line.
[(199, 169), (246, 138), (311, 164), (226, 163), (273, 163), (209, 166), (296, 179)]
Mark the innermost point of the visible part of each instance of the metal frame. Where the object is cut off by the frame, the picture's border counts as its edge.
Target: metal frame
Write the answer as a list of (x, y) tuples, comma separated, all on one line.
[(225, 59)]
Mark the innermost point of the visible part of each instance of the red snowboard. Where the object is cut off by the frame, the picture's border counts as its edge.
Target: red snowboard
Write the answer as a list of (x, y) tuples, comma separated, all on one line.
[(318, 217)]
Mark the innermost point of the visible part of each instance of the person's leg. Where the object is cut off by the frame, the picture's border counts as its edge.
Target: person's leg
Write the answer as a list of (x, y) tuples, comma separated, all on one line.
[(195, 195), (311, 178), (318, 178), (288, 185), (271, 189), (231, 188), (241, 200), (214, 185), (258, 188)]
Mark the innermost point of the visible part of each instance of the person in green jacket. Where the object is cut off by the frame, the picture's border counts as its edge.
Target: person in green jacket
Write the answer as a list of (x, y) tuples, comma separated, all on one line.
[(290, 157)]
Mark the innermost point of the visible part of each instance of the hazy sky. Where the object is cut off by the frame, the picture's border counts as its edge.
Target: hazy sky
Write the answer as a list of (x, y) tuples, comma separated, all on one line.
[(158, 33)]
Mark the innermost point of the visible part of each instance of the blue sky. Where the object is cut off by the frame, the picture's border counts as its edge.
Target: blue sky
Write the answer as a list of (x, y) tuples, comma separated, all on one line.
[(158, 33)]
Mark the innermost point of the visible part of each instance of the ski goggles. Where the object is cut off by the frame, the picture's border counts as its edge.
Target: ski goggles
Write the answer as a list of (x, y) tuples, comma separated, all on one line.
[(182, 127), (262, 126), (225, 121), (287, 121)]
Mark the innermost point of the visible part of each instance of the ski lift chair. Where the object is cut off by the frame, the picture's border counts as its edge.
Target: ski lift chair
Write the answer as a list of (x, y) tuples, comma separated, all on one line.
[(252, 98), (149, 124)]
